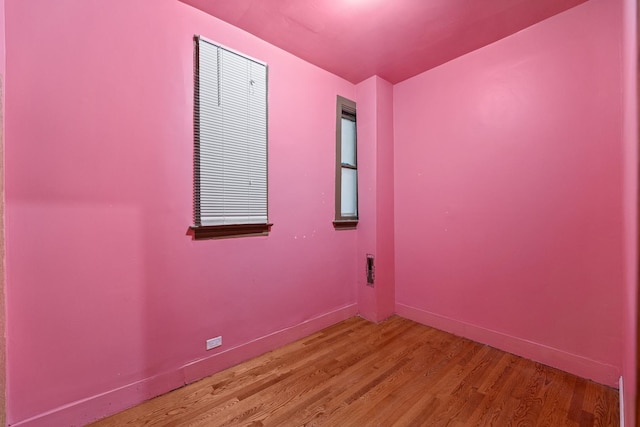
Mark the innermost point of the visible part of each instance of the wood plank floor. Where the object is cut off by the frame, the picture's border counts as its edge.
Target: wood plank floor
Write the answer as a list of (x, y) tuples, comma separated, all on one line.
[(396, 373)]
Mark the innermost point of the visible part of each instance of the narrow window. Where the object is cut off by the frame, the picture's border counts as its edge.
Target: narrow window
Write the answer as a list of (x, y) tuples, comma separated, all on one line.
[(346, 215), (230, 147)]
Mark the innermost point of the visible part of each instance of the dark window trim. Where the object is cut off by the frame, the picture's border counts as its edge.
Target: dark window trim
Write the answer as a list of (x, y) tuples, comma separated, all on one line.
[(345, 224), (232, 230), (346, 109)]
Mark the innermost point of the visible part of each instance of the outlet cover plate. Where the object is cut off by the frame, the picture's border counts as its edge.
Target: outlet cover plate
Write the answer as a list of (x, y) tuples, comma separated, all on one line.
[(214, 342)]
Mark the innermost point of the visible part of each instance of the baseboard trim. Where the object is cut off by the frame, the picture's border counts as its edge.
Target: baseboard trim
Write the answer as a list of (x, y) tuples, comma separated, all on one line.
[(578, 365), (111, 402), (206, 366)]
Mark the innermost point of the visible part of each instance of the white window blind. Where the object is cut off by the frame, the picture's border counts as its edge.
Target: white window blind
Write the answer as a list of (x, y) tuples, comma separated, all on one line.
[(230, 161)]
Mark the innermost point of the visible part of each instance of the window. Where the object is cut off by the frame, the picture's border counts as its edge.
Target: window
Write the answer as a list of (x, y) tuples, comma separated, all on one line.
[(346, 165), (230, 148)]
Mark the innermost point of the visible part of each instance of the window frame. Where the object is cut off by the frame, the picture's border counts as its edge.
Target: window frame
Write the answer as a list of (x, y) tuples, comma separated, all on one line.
[(345, 109), (207, 231)]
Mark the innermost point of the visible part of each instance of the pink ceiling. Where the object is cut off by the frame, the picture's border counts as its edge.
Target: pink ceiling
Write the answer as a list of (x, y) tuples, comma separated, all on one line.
[(395, 39)]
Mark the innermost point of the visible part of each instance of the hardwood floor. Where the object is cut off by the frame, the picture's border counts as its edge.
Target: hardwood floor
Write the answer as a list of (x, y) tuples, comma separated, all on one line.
[(396, 373)]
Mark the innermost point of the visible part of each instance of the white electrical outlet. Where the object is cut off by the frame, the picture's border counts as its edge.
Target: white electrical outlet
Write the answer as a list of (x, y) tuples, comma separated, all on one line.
[(214, 342)]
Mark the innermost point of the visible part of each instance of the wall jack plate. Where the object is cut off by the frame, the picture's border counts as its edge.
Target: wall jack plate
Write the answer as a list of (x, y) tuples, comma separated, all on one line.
[(214, 342), (371, 270)]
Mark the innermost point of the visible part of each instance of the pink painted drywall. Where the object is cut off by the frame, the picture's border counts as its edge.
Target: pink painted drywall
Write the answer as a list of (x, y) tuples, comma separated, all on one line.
[(375, 197), (385, 31), (385, 244), (366, 104), (3, 353), (109, 301), (508, 193), (630, 139)]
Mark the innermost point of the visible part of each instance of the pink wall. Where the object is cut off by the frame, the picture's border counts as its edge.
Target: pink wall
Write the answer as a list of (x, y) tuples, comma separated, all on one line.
[(366, 103), (630, 138), (375, 197), (385, 230), (505, 166), (109, 301), (3, 353), (508, 193)]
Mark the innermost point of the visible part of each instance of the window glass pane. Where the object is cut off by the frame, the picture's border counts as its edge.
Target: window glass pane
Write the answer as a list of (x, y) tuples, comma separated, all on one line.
[(349, 192), (348, 142)]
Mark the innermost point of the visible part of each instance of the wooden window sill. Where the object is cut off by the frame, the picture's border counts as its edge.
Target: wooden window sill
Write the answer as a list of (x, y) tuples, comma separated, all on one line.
[(345, 224), (226, 231)]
